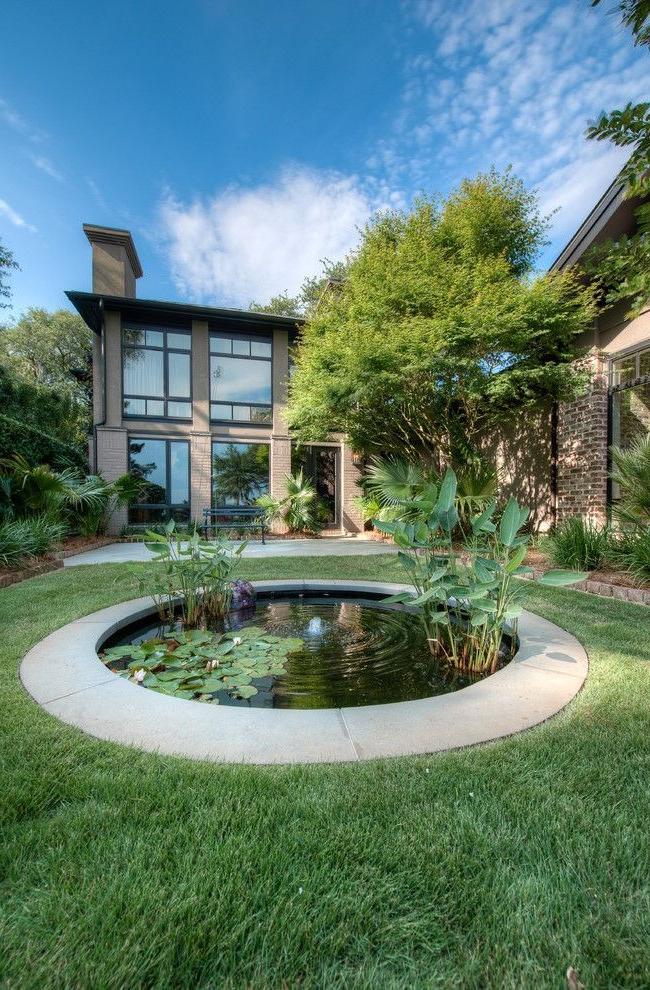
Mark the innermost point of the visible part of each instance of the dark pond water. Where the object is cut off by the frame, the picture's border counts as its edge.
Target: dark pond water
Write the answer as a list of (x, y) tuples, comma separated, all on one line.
[(356, 652)]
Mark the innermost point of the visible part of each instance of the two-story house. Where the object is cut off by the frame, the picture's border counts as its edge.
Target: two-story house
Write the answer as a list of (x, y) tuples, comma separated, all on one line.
[(193, 399)]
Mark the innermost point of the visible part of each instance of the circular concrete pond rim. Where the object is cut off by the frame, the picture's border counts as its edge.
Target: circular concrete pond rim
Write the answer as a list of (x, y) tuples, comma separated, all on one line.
[(66, 677)]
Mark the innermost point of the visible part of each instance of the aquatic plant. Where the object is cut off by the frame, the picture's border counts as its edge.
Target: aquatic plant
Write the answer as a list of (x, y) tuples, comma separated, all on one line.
[(196, 664), (468, 593)]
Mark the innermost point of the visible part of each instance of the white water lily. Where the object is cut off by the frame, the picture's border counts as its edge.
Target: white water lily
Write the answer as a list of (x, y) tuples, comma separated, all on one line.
[(237, 640), (139, 676)]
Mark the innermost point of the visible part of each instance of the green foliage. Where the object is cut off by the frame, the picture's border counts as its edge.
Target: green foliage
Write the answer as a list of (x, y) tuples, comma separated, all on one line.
[(198, 665), (7, 264), (630, 550), (401, 486), (621, 267), (300, 509), (82, 503), (311, 292), (469, 597), (28, 407), (438, 331), (53, 350), (579, 544), (25, 538), (193, 573), (631, 472)]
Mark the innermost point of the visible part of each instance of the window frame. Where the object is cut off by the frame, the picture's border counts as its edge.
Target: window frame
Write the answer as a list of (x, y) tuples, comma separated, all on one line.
[(638, 379), (267, 338), (166, 398), (612, 390), (166, 506)]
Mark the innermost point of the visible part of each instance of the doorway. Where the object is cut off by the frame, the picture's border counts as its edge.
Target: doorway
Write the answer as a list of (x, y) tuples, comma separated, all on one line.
[(321, 466)]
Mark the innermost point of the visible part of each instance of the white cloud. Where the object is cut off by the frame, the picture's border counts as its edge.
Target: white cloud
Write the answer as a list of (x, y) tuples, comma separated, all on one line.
[(251, 243), (527, 78), (18, 123), (14, 217), (45, 165)]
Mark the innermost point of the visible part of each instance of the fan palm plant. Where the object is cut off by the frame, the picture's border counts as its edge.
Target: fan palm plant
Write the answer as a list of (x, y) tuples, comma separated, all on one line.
[(301, 510), (631, 472)]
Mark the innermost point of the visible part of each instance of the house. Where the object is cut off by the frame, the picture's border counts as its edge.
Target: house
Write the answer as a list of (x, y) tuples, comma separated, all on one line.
[(193, 399), (616, 408)]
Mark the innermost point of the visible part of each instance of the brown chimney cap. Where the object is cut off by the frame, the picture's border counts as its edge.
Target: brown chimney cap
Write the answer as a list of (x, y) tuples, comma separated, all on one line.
[(113, 235)]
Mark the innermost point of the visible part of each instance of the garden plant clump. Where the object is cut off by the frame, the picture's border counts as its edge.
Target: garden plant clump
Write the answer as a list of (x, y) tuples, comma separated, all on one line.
[(193, 578), (197, 664), (466, 587)]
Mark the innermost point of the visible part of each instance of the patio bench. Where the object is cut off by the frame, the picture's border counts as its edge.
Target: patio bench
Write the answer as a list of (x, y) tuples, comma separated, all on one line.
[(233, 517)]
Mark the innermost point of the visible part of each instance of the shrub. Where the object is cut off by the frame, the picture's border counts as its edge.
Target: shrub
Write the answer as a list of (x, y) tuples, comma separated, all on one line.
[(631, 551), (301, 510), (24, 538), (578, 544)]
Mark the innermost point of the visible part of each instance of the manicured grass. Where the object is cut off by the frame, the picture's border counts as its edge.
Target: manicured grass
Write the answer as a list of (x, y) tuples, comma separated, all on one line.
[(492, 867)]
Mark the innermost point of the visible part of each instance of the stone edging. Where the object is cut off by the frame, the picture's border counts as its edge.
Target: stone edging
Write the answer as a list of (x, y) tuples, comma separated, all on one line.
[(64, 674), (43, 567)]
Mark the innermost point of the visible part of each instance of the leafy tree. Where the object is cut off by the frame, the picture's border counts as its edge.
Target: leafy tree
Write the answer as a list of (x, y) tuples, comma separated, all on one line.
[(439, 331), (7, 263), (622, 267), (312, 290), (54, 351)]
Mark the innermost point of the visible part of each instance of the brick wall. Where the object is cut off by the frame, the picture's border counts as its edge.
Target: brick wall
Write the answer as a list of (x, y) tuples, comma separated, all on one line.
[(200, 474), (351, 519), (582, 448), (280, 467)]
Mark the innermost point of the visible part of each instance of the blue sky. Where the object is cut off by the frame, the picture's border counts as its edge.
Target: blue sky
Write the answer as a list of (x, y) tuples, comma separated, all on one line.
[(242, 140)]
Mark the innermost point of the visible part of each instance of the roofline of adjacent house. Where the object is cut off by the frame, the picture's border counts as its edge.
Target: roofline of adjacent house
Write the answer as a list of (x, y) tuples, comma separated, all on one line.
[(90, 304), (591, 226)]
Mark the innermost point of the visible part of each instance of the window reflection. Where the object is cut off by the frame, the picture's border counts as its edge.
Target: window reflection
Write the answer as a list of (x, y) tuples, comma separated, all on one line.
[(241, 378), (157, 372), (163, 467), (240, 472)]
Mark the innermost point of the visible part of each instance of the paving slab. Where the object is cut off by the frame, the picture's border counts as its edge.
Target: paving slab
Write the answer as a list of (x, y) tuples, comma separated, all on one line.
[(120, 553), (64, 674)]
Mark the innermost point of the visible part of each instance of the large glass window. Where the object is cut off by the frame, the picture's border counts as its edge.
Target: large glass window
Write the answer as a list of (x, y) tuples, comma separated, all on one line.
[(240, 378), (240, 473), (157, 372), (164, 467)]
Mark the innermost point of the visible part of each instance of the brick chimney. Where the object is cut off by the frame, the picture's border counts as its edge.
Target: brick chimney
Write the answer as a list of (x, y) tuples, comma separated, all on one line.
[(116, 265)]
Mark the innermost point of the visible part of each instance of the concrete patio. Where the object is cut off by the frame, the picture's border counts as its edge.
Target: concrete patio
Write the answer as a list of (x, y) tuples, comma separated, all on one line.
[(120, 553)]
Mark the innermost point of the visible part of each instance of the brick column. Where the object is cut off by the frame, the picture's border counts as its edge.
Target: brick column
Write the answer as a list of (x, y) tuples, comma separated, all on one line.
[(280, 467), (200, 474), (112, 461), (351, 519), (582, 448)]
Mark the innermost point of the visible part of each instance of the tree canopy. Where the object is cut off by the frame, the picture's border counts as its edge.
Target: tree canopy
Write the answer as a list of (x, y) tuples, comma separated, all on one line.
[(309, 295), (52, 351), (7, 264), (439, 329), (622, 267)]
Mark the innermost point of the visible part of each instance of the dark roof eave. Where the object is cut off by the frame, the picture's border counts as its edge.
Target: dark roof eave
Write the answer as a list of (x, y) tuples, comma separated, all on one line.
[(89, 305), (591, 226)]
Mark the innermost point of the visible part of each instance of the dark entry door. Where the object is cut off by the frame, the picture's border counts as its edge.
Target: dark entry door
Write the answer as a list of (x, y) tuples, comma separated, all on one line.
[(321, 465)]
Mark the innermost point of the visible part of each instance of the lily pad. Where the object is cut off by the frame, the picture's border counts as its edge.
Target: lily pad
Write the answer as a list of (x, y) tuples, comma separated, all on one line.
[(246, 691)]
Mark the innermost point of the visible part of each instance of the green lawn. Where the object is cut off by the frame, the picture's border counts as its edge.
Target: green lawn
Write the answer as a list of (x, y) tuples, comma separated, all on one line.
[(492, 867)]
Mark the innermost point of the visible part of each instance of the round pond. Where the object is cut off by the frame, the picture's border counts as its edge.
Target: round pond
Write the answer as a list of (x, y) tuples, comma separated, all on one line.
[(354, 650)]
